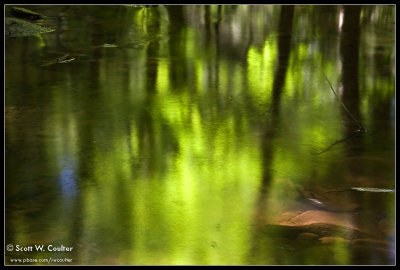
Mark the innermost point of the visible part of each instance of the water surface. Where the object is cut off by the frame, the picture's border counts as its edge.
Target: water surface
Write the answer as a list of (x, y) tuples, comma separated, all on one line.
[(180, 133)]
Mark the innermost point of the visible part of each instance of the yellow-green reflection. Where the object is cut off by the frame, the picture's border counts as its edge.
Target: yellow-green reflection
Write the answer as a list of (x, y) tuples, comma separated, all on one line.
[(261, 69)]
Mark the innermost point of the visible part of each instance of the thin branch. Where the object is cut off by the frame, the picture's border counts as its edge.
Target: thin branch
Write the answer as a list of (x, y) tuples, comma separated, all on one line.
[(357, 132), (340, 141), (361, 129)]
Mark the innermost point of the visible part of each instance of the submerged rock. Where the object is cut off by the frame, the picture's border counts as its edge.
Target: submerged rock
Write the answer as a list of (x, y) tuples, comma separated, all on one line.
[(320, 223), (331, 234), (321, 229), (19, 28), (330, 200), (333, 240)]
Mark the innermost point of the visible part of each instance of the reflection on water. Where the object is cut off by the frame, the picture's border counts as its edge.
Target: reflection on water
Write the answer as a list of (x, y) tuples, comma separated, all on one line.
[(187, 135)]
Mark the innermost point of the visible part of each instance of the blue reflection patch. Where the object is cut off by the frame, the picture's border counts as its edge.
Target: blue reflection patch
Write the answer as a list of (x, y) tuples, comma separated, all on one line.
[(68, 177)]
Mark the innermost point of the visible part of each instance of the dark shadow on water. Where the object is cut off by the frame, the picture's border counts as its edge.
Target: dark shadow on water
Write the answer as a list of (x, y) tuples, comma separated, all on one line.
[(269, 134), (349, 49), (177, 49)]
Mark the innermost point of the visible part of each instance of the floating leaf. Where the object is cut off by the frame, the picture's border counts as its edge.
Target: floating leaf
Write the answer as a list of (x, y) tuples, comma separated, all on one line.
[(366, 189), (60, 60), (67, 60), (107, 45), (19, 28)]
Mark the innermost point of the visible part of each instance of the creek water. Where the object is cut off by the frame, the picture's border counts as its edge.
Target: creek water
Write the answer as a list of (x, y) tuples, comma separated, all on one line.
[(181, 135)]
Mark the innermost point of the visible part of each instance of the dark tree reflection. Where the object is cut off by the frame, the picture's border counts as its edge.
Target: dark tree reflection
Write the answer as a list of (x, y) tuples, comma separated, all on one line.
[(349, 49), (177, 32), (268, 137)]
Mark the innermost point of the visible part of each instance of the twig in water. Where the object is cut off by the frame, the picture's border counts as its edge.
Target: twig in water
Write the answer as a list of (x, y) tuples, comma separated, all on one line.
[(340, 141), (361, 129)]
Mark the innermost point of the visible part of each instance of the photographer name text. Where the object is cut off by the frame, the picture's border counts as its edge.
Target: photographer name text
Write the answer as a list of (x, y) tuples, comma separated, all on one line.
[(50, 248)]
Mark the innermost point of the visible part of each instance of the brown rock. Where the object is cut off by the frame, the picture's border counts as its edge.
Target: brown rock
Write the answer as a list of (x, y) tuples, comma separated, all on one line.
[(321, 223), (311, 217), (321, 229), (330, 199), (333, 240)]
